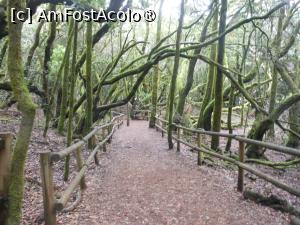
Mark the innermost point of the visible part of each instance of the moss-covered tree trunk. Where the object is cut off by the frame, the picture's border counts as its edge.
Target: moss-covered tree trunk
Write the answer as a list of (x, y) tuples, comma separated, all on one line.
[(202, 121), (27, 107), (73, 79), (219, 78), (155, 77), (191, 69), (3, 52), (56, 90), (65, 84), (174, 75), (276, 43), (273, 99), (294, 112), (89, 88), (263, 124), (229, 117), (46, 69), (36, 43), (72, 86), (294, 120)]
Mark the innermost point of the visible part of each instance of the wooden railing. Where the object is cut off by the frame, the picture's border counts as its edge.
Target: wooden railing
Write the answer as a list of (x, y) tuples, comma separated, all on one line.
[(202, 148), (51, 204)]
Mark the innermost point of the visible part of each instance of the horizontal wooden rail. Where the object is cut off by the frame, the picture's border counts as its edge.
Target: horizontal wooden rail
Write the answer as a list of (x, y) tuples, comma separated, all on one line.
[(51, 204), (274, 147), (242, 166), (61, 203), (56, 156), (250, 169)]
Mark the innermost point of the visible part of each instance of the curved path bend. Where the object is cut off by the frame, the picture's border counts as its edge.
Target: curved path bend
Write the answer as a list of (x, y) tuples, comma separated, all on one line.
[(141, 182)]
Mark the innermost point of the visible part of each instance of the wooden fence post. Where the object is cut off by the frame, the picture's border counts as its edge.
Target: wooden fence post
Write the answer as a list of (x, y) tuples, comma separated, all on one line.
[(103, 137), (178, 139), (128, 115), (48, 190), (119, 122), (200, 155), (240, 187), (79, 166), (5, 160), (94, 144), (109, 130), (5, 163)]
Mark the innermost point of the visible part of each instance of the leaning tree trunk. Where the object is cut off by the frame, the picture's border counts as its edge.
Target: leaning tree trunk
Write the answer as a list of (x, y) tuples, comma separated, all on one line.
[(155, 78), (190, 76), (174, 75), (294, 120), (73, 79), (56, 91), (72, 86), (202, 121), (36, 43), (229, 117), (277, 43), (46, 69), (294, 112), (65, 84), (219, 78), (89, 88), (3, 52), (209, 108), (259, 129), (27, 107)]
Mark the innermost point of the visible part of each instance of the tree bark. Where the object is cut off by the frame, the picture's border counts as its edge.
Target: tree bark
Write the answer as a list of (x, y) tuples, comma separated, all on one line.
[(277, 43), (27, 107), (73, 79), (89, 89), (174, 75), (3, 52), (191, 69), (206, 122), (45, 73), (155, 78), (65, 82), (36, 43), (259, 129), (219, 78)]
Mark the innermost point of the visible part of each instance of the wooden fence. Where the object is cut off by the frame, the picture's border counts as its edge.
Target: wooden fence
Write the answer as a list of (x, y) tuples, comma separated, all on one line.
[(242, 166), (52, 204)]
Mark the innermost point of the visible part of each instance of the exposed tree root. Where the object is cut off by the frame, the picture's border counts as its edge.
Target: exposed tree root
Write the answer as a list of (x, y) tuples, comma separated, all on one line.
[(271, 201), (277, 165), (75, 203)]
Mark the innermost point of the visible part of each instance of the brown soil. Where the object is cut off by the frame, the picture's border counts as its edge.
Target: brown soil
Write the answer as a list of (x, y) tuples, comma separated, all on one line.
[(141, 182)]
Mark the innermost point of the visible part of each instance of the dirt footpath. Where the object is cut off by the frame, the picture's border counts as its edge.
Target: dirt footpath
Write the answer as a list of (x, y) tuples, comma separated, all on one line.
[(140, 182)]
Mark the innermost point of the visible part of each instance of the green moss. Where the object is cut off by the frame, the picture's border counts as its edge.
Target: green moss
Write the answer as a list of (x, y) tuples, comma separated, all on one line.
[(65, 82), (27, 107)]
